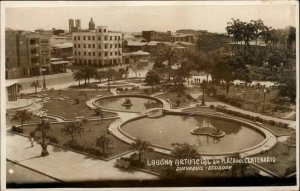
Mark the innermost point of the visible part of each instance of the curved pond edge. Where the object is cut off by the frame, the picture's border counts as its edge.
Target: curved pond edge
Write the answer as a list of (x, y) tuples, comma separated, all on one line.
[(125, 95), (266, 144)]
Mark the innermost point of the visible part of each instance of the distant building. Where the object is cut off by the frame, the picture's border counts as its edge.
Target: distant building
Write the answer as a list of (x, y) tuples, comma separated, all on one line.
[(57, 31), (179, 37), (132, 46), (26, 53), (156, 36), (63, 50), (60, 39), (74, 25), (97, 47)]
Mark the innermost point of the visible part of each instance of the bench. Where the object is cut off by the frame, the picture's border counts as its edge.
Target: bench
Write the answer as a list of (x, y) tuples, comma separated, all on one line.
[(121, 163)]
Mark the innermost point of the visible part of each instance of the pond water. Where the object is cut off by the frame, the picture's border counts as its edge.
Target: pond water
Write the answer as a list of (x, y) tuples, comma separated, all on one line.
[(138, 103), (170, 129)]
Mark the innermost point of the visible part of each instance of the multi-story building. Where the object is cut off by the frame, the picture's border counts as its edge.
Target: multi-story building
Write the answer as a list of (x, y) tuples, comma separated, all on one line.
[(76, 27), (26, 53), (97, 47), (156, 36)]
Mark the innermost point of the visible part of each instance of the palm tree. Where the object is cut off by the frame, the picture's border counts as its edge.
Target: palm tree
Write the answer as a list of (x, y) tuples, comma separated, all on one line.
[(43, 127), (22, 116), (258, 29), (78, 76), (234, 29), (73, 129), (103, 142), (88, 72), (247, 33), (35, 84), (141, 146)]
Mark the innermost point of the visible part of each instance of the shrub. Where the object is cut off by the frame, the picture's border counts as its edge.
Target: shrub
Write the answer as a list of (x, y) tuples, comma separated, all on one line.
[(53, 139), (17, 129), (211, 106), (120, 89), (178, 102), (189, 97), (93, 151), (32, 133)]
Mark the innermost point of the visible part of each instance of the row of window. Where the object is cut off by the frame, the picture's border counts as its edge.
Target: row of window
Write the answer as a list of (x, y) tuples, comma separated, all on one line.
[(99, 38), (99, 46), (94, 53), (98, 62)]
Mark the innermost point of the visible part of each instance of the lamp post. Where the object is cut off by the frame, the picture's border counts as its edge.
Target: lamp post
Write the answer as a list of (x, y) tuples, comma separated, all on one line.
[(203, 92), (43, 143), (264, 91), (44, 81)]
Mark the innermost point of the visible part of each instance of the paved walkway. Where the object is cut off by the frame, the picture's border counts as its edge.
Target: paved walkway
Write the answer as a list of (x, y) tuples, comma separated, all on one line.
[(67, 165), (292, 124)]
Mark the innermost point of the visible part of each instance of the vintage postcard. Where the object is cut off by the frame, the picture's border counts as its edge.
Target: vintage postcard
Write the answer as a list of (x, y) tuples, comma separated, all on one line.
[(151, 94)]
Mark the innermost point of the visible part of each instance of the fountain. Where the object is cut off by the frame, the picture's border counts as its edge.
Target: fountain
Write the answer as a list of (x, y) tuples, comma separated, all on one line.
[(127, 102)]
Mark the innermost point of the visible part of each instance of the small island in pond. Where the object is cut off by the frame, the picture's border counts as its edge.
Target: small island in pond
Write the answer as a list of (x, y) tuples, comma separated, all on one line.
[(127, 102), (210, 131)]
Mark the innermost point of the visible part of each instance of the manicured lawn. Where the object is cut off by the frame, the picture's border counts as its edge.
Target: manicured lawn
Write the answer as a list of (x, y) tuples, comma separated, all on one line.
[(69, 110), (200, 109), (92, 129), (34, 119), (279, 131), (174, 96), (74, 94), (284, 159), (252, 99)]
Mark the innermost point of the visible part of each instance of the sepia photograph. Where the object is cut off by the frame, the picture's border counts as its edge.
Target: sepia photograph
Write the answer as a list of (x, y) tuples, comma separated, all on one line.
[(150, 94)]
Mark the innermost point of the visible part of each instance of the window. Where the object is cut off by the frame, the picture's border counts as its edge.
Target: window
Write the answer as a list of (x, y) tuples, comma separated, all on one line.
[(99, 38), (111, 53), (104, 30), (99, 46), (78, 45), (83, 37), (116, 46), (116, 38), (93, 53), (84, 46), (116, 53), (90, 62), (105, 46), (89, 38), (105, 53), (78, 53), (99, 53), (100, 62), (100, 30), (75, 53), (93, 38), (84, 53), (93, 45), (105, 38), (89, 45), (74, 45), (90, 53), (78, 38), (110, 38), (74, 37), (110, 45), (119, 38)]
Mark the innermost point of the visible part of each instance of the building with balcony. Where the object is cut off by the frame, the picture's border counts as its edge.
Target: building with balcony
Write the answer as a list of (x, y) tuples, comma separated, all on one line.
[(97, 47), (26, 53)]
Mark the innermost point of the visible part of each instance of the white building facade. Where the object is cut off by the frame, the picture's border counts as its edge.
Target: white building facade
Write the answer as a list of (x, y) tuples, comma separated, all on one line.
[(97, 47)]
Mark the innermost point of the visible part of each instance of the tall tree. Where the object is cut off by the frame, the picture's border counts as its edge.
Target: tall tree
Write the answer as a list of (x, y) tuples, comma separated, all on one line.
[(88, 72), (35, 84), (141, 146), (258, 29), (152, 78), (100, 75), (228, 69), (22, 116), (110, 74)]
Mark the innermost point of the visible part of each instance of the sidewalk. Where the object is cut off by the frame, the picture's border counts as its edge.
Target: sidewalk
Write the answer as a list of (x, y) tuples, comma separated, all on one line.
[(66, 165)]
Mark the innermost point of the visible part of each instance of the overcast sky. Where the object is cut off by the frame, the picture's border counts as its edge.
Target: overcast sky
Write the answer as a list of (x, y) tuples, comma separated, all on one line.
[(162, 18)]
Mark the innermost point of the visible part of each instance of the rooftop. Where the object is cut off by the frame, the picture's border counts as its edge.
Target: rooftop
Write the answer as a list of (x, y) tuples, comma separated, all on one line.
[(63, 45)]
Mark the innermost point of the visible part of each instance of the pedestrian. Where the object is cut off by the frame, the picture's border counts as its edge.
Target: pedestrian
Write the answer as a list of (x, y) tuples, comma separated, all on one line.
[(31, 140)]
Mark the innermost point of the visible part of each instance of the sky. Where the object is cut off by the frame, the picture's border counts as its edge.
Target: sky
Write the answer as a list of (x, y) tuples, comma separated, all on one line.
[(126, 18)]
